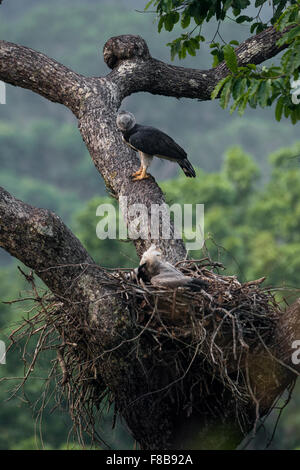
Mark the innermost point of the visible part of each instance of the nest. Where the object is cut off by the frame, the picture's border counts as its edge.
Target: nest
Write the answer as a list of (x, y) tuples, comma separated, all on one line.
[(202, 338)]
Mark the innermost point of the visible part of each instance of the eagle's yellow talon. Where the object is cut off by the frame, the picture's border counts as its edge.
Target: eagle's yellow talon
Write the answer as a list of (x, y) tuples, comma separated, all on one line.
[(137, 172), (141, 177)]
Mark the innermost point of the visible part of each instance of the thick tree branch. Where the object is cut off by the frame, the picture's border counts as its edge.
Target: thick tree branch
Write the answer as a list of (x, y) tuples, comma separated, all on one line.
[(24, 67), (144, 73), (40, 240)]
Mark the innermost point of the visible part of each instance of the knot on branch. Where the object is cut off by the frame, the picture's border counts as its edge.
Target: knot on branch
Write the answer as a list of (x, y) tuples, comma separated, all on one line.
[(124, 47)]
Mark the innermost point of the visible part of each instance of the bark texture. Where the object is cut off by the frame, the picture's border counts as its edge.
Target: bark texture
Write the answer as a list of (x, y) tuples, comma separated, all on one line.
[(144, 73), (41, 241)]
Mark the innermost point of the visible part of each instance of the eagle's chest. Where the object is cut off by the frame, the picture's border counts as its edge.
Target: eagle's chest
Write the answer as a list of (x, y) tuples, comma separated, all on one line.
[(129, 144), (145, 158)]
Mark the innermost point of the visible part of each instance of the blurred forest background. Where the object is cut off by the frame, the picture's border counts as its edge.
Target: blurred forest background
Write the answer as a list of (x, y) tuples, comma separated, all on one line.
[(248, 177)]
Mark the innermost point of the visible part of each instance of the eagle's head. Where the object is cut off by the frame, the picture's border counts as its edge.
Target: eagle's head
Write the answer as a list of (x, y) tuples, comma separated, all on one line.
[(125, 121), (151, 256), (149, 264)]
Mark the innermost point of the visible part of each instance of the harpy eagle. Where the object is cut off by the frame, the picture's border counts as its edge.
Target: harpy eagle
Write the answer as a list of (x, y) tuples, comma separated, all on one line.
[(161, 273), (149, 142)]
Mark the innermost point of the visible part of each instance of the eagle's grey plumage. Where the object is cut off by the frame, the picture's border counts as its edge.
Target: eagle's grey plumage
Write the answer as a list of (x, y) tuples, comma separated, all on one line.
[(161, 273), (149, 142)]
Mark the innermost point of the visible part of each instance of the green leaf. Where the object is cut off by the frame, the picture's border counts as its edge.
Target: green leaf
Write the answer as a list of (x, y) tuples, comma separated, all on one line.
[(294, 117), (170, 20), (288, 37), (216, 61), (148, 5), (286, 111), (175, 17), (243, 105), (238, 88), (214, 44), (227, 4), (235, 104), (261, 27), (196, 41), (253, 87), (185, 20), (279, 109), (160, 23), (264, 91), (190, 48), (254, 26), (258, 3), (230, 58), (243, 18), (175, 47), (219, 86), (225, 94)]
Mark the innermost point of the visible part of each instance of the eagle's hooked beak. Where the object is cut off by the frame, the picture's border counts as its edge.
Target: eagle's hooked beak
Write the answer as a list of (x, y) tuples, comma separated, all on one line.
[(140, 270), (142, 273)]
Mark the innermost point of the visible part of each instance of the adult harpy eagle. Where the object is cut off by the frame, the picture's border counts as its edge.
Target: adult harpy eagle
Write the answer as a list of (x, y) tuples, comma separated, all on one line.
[(161, 273), (149, 142)]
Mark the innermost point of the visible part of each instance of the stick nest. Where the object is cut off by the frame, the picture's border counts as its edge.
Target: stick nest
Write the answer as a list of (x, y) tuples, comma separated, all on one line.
[(200, 340)]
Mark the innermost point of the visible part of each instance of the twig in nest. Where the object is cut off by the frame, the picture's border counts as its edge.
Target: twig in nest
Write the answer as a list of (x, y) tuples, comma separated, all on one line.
[(63, 366)]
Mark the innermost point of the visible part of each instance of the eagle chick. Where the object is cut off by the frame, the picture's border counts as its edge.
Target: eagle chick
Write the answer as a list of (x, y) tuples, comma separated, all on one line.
[(161, 273)]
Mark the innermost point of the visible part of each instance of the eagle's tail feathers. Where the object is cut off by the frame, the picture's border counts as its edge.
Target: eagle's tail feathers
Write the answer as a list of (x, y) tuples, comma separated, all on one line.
[(196, 284), (187, 168)]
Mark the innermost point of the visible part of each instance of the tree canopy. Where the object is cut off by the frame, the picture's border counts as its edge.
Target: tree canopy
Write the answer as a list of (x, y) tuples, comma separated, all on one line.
[(250, 85)]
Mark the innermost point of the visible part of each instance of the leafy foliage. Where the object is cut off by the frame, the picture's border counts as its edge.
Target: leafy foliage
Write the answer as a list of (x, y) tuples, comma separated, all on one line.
[(250, 85), (194, 13), (255, 86)]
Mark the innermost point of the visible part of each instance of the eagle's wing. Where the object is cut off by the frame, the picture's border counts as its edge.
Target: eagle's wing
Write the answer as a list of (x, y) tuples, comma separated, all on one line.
[(167, 280), (152, 141), (169, 276)]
